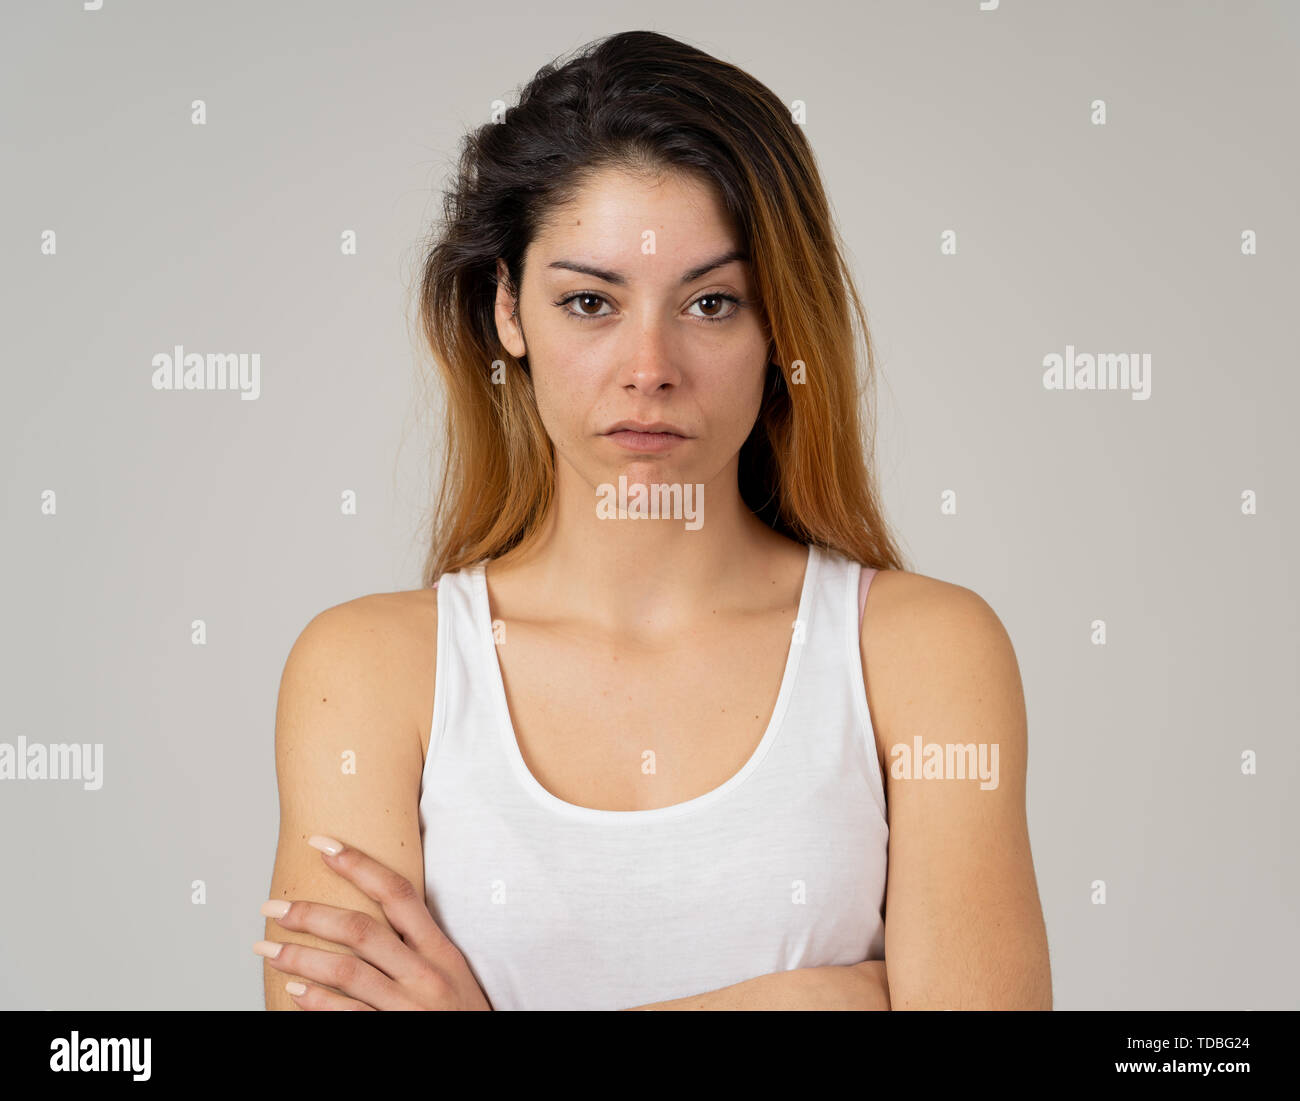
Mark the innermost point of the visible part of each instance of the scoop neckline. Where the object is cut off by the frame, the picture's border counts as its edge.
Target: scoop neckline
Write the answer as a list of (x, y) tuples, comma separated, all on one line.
[(506, 727)]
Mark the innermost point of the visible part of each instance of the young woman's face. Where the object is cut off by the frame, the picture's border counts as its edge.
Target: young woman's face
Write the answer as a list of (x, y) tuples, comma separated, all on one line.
[(652, 338)]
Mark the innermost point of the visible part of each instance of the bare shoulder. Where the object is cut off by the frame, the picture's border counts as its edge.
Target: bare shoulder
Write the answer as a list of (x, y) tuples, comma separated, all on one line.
[(380, 619), (899, 600), (923, 637), (385, 644)]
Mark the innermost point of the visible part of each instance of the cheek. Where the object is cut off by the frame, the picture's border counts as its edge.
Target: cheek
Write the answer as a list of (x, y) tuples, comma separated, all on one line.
[(549, 407), (741, 393), (563, 395), (740, 406)]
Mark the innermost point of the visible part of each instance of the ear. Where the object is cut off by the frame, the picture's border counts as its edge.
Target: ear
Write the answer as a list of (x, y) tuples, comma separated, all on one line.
[(508, 330)]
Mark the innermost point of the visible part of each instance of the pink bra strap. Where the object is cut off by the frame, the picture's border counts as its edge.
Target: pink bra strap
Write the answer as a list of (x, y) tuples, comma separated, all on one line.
[(864, 581)]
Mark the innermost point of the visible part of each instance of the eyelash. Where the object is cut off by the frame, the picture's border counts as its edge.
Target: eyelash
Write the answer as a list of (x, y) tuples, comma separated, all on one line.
[(563, 303)]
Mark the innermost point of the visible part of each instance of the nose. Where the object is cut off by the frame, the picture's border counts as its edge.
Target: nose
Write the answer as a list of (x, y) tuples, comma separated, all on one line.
[(651, 364)]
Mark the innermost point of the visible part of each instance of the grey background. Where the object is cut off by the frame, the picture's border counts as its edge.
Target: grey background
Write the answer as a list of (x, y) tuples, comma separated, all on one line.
[(925, 117)]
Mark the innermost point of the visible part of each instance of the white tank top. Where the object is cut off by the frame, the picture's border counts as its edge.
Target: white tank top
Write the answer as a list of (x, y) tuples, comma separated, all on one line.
[(561, 907)]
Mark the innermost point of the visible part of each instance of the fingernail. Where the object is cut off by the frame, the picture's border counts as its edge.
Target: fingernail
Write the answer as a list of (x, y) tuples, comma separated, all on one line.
[(295, 988), (269, 949), (275, 908), (325, 844)]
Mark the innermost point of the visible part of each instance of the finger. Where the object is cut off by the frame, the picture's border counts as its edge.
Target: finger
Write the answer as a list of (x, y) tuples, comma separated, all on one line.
[(405, 910), (318, 998), (368, 937), (347, 974)]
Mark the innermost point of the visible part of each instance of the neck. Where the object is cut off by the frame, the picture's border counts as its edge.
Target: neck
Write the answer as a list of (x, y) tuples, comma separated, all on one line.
[(645, 578)]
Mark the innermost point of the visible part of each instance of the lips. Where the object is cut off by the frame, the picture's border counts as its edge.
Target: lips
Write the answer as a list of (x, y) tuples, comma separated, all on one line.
[(637, 439), (655, 428)]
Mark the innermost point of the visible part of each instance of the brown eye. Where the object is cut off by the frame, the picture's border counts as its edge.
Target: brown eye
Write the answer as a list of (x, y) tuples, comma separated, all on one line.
[(584, 299), (720, 300)]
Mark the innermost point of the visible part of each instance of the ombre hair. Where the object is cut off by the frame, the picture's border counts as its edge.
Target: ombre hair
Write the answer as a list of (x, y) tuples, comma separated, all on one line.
[(646, 103)]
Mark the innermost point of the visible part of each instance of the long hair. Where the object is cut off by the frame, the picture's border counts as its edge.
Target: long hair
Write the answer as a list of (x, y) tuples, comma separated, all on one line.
[(642, 101)]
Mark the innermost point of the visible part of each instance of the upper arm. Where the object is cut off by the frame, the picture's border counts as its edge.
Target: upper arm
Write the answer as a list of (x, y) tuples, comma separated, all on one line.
[(963, 923), (348, 754)]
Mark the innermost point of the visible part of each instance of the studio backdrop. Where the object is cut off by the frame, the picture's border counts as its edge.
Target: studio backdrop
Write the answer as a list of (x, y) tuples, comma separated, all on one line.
[(1074, 227)]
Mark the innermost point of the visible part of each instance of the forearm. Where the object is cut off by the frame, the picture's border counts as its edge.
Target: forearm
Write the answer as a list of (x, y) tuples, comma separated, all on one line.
[(855, 986)]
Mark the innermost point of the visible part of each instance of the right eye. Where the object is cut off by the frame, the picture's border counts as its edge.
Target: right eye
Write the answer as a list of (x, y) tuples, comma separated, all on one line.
[(581, 315)]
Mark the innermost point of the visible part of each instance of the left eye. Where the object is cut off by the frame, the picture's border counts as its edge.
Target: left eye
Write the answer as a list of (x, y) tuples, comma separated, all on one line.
[(719, 298)]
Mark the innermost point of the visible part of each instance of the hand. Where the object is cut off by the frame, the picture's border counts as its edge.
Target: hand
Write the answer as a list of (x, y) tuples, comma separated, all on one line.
[(420, 969)]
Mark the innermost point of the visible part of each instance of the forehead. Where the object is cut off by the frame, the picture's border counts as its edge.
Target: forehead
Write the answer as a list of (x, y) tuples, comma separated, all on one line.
[(617, 212)]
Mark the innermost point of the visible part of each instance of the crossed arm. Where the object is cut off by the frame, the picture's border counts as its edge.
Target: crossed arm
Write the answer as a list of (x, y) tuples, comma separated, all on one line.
[(964, 927), (853, 986)]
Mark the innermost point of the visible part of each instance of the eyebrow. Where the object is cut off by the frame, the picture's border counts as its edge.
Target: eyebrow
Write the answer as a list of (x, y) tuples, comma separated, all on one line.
[(620, 280)]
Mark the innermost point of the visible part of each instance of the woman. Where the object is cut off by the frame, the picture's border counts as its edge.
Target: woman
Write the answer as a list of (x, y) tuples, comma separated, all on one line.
[(620, 761)]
